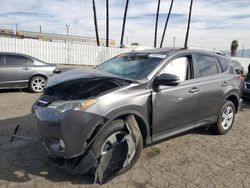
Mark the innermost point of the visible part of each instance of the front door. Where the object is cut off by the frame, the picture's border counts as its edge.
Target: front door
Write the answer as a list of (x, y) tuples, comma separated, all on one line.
[(16, 71), (175, 107)]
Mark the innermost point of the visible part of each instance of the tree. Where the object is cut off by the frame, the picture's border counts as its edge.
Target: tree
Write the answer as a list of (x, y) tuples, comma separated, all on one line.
[(156, 22), (96, 26), (124, 22), (188, 26), (166, 23), (234, 46)]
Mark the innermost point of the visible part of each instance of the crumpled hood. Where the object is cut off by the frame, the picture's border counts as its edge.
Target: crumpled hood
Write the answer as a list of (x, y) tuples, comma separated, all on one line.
[(79, 73)]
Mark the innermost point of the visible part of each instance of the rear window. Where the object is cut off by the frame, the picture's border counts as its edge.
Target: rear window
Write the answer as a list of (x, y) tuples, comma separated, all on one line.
[(224, 64), (207, 65), (16, 60)]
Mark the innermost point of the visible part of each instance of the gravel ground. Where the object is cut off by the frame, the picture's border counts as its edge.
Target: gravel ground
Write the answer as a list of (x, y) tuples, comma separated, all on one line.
[(194, 159)]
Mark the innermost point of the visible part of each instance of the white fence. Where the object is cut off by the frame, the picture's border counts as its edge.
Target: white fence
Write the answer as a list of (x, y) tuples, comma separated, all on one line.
[(59, 52)]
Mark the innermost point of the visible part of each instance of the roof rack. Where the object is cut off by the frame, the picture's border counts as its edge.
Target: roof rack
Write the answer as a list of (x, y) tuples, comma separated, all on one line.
[(206, 49)]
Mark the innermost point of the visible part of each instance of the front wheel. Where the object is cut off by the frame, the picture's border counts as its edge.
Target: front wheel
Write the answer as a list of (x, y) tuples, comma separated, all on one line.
[(225, 119), (37, 83), (116, 151)]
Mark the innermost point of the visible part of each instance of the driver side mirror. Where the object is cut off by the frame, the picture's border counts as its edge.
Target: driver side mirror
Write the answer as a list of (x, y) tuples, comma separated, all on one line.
[(167, 80)]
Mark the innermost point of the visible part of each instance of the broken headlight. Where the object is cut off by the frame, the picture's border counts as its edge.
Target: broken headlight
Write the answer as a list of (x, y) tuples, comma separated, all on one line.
[(82, 105)]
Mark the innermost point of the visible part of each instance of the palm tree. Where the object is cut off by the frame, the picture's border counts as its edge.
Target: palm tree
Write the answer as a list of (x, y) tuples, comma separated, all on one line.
[(166, 23), (96, 26), (234, 46), (124, 22), (107, 23), (189, 20), (156, 22)]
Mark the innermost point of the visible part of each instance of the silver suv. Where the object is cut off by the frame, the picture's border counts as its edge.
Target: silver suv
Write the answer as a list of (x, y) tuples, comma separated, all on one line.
[(98, 120), (23, 71)]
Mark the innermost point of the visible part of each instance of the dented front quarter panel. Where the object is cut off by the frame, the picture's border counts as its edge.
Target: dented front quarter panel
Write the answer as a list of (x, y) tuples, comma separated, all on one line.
[(132, 99)]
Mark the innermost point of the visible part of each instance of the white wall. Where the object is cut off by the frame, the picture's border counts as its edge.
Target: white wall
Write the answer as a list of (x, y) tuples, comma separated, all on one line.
[(60, 53)]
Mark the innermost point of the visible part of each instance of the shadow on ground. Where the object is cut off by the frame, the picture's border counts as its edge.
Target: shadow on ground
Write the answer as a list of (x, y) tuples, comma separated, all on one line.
[(26, 160)]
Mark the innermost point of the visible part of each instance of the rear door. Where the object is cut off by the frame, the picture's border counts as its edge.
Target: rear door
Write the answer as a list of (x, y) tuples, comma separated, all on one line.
[(16, 70), (212, 87)]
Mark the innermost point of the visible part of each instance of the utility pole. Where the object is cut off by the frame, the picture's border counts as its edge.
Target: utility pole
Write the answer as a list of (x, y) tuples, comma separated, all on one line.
[(96, 26), (243, 49), (188, 27), (67, 26), (166, 24), (156, 22), (40, 28), (124, 22), (174, 38), (107, 23)]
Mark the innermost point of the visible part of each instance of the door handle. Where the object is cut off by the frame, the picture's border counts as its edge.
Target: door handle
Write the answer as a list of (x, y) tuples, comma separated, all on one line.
[(194, 90), (25, 68), (224, 84)]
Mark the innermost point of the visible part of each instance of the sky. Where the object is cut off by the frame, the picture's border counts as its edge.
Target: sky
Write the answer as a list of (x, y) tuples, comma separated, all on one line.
[(215, 23)]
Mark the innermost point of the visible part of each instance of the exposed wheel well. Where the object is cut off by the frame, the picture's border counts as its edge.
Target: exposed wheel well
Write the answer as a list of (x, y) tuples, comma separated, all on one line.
[(235, 101), (141, 124)]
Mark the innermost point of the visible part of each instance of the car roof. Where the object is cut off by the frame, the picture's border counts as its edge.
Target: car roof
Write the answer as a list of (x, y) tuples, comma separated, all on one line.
[(167, 51)]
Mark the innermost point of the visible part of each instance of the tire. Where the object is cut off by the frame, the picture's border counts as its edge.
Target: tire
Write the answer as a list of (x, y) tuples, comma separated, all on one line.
[(116, 126), (37, 83), (225, 119)]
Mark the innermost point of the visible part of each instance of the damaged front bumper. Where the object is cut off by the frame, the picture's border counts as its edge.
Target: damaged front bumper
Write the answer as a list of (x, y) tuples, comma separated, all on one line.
[(67, 137), (66, 134)]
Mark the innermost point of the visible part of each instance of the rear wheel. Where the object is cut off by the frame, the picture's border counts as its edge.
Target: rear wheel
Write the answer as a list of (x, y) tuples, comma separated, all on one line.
[(37, 83), (226, 118)]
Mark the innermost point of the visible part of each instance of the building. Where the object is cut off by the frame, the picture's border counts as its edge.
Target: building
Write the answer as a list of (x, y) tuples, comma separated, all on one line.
[(54, 37)]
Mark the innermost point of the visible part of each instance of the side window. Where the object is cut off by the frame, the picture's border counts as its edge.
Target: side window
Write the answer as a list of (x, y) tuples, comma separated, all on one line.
[(31, 61), (16, 60), (224, 64), (179, 67), (207, 65)]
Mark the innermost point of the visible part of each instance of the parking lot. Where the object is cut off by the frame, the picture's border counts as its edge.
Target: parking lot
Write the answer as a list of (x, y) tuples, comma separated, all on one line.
[(194, 159)]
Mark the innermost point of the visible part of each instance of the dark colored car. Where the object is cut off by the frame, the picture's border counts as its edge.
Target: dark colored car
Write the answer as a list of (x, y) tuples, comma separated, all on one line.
[(246, 89), (98, 120), (23, 71)]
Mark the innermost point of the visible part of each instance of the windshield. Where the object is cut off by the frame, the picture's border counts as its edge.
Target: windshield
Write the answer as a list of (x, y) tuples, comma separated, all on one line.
[(132, 66)]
